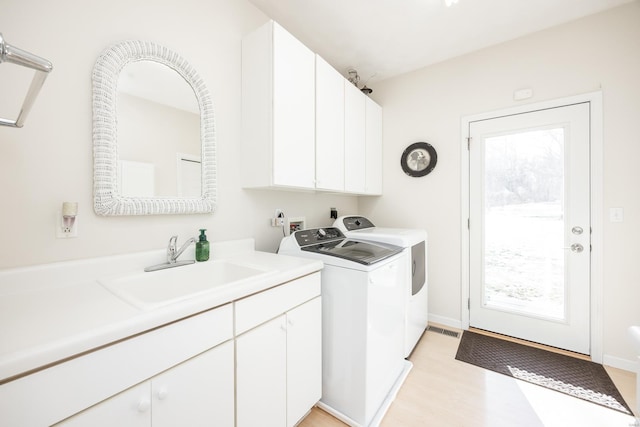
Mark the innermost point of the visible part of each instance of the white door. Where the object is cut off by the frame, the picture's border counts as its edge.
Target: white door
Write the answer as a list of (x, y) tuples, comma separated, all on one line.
[(130, 408), (198, 392), (261, 375), (530, 226), (373, 140), (293, 111), (304, 359), (355, 139), (329, 127)]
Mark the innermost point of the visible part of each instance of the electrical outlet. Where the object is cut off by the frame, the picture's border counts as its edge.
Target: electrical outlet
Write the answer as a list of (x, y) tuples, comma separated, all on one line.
[(63, 232), (277, 222), (278, 219)]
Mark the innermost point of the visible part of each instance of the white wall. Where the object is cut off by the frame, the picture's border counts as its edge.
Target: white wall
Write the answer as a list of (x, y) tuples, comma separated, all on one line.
[(601, 52), (50, 160)]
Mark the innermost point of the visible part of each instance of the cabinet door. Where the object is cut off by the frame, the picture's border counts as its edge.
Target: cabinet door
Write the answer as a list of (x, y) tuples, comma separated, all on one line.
[(354, 139), (293, 111), (304, 359), (198, 392), (261, 375), (373, 137), (131, 408), (329, 127)]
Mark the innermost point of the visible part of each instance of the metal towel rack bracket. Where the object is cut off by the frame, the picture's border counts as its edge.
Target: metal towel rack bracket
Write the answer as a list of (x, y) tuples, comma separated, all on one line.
[(42, 67)]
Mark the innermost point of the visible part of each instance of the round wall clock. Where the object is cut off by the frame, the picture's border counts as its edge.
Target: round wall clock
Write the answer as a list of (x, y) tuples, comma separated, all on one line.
[(419, 159)]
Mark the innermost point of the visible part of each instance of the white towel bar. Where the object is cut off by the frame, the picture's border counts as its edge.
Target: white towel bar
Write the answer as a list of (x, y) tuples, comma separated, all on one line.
[(43, 67)]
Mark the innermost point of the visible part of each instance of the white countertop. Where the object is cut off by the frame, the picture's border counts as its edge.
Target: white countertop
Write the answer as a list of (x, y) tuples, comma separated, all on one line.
[(52, 312)]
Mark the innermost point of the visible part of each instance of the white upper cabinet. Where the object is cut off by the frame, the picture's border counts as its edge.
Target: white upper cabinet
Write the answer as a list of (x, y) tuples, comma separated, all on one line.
[(329, 127), (373, 138), (354, 139), (304, 126), (278, 110), (362, 143)]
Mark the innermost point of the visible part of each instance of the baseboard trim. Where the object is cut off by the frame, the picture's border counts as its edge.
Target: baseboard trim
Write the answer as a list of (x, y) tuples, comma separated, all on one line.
[(620, 363), (445, 321)]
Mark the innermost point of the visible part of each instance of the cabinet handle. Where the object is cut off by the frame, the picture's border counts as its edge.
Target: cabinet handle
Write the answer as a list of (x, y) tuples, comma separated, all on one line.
[(144, 404), (162, 393)]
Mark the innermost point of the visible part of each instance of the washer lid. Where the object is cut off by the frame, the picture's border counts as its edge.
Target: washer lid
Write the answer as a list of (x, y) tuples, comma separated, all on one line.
[(366, 253), (359, 227), (404, 237), (330, 241)]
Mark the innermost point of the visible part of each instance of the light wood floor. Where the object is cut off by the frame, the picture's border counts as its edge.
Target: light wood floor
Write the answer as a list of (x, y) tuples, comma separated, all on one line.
[(442, 391)]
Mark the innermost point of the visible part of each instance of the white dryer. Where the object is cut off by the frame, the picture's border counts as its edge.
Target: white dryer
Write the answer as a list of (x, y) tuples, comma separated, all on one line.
[(363, 365), (414, 243)]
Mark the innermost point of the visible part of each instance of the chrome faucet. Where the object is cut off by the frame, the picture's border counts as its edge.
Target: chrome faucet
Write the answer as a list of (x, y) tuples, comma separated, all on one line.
[(172, 255)]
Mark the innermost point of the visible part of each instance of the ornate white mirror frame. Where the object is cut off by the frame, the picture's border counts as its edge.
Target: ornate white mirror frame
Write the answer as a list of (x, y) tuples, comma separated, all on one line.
[(107, 198)]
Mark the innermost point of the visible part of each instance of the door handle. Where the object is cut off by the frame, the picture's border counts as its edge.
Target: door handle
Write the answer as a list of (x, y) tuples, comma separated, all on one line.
[(576, 247), (577, 230)]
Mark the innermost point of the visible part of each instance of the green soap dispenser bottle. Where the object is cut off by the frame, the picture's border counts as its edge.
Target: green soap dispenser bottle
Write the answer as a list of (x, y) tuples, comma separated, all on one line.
[(202, 247)]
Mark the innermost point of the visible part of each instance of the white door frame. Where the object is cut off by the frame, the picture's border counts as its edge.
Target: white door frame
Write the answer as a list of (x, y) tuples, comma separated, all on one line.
[(597, 203)]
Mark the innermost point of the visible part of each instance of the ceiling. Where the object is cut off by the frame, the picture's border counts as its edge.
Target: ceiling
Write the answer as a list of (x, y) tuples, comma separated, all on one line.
[(385, 38)]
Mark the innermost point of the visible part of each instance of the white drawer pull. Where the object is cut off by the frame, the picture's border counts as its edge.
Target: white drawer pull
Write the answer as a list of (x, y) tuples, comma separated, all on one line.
[(162, 393), (144, 404)]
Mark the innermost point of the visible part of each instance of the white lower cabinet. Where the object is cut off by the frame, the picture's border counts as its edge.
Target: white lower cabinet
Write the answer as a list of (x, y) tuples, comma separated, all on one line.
[(304, 359), (279, 362), (198, 392), (131, 408), (261, 372), (253, 362), (194, 350)]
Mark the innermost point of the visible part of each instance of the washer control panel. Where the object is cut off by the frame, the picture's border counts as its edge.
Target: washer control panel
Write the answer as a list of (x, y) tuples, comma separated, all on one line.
[(318, 235), (356, 223)]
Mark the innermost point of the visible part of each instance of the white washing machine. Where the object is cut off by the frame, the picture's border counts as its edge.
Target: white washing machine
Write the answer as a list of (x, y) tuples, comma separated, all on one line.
[(362, 322), (414, 244)]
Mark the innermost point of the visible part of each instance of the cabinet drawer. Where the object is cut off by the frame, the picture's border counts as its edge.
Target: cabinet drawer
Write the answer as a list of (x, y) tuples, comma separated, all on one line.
[(67, 388), (259, 308)]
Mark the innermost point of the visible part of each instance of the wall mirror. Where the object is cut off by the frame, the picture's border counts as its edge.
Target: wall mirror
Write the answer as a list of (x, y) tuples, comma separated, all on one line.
[(153, 133)]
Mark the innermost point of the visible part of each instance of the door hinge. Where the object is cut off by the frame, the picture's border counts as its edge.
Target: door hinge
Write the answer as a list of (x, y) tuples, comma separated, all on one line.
[(468, 224), (468, 303), (468, 143)]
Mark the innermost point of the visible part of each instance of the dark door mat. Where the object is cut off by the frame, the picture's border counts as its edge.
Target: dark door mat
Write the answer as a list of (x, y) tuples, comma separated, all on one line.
[(579, 378)]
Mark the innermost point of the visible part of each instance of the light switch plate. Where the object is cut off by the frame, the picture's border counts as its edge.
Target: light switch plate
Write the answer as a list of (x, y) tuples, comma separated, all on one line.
[(521, 94), (616, 214)]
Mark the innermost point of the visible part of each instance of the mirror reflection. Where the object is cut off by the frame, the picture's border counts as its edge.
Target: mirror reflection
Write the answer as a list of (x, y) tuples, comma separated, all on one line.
[(159, 144)]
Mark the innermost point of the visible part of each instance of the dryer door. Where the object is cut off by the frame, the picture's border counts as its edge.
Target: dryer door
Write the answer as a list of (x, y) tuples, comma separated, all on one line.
[(418, 267)]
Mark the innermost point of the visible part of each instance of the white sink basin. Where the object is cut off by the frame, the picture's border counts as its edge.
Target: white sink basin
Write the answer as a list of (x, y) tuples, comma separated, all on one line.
[(148, 290)]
